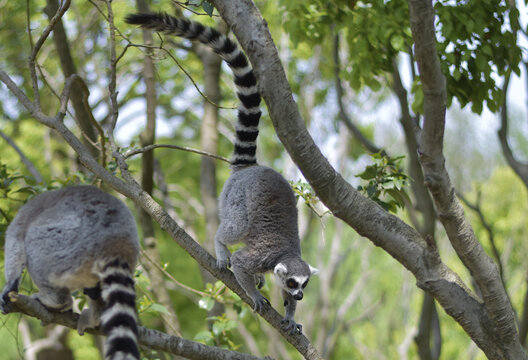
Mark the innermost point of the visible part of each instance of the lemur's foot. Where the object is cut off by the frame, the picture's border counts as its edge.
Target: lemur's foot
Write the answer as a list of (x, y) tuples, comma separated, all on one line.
[(259, 303), (51, 305), (86, 320), (289, 325), (223, 263), (5, 303)]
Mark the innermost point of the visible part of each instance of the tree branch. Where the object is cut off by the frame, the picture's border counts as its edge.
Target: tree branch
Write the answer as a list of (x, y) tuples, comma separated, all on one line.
[(450, 211), (32, 169), (184, 148), (150, 338), (521, 169), (343, 114)]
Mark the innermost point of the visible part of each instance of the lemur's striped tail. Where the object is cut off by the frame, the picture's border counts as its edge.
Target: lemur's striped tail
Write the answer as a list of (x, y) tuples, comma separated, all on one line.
[(119, 319), (245, 81)]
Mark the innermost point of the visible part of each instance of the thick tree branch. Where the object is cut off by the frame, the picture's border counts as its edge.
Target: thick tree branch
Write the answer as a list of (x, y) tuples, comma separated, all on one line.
[(521, 169), (150, 338), (451, 213)]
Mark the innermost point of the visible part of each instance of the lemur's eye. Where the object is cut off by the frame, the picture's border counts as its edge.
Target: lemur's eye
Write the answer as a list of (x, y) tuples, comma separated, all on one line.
[(304, 284), (291, 283)]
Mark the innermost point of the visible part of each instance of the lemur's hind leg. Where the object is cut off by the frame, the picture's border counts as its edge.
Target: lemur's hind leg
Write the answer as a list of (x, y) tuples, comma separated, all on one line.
[(91, 316), (53, 298), (227, 234), (14, 263), (246, 279)]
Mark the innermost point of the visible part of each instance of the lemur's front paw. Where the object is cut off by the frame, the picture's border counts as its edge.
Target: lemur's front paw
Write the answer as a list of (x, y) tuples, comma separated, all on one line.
[(289, 325), (223, 263), (5, 303), (259, 303)]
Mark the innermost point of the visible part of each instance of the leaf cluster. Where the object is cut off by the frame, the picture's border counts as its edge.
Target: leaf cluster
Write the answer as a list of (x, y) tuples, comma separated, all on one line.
[(220, 332), (386, 182), (477, 41)]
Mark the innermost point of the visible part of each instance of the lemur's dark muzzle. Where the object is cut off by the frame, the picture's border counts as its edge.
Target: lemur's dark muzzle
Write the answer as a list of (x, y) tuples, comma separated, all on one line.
[(298, 296)]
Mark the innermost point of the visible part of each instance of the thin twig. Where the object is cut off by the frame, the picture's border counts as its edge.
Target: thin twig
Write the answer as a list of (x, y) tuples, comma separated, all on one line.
[(489, 229), (154, 146), (32, 169), (186, 4), (113, 71), (167, 274), (184, 71)]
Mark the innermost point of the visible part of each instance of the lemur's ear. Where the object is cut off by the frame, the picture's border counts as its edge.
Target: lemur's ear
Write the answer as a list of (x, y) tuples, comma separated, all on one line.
[(313, 271), (280, 269)]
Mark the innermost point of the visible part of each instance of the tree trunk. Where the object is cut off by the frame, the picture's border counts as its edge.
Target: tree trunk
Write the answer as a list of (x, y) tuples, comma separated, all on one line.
[(212, 65), (83, 113), (147, 137)]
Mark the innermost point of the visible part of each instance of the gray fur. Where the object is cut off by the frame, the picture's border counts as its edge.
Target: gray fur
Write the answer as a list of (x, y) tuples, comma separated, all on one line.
[(258, 208), (65, 238)]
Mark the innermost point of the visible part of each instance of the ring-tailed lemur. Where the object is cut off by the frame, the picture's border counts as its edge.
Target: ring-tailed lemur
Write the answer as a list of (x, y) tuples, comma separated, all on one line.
[(257, 205), (74, 238)]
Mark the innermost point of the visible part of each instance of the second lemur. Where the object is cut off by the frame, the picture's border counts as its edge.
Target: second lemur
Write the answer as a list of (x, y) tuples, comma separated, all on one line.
[(257, 205), (78, 238)]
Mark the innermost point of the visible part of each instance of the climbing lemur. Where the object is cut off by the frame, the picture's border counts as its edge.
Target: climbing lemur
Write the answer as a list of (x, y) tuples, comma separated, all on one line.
[(257, 205), (76, 238)]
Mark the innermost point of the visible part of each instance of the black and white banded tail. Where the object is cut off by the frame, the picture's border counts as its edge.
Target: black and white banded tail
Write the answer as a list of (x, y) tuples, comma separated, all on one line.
[(249, 109), (119, 319)]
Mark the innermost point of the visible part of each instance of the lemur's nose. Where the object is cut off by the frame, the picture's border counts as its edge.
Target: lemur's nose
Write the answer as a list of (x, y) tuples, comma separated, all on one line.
[(298, 296)]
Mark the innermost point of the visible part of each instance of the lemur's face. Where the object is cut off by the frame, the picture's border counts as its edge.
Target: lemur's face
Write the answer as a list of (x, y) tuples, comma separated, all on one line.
[(293, 278)]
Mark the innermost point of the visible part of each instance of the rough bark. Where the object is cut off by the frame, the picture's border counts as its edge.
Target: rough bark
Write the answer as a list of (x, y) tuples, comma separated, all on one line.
[(490, 324)]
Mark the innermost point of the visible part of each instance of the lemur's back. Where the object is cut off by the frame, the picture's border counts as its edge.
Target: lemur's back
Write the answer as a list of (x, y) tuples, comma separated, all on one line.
[(261, 199), (68, 229)]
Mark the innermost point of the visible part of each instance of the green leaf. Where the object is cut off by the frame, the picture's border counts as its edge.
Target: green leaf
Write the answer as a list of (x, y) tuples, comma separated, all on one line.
[(158, 308), (369, 173), (208, 8), (206, 303), (397, 42), (204, 335)]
